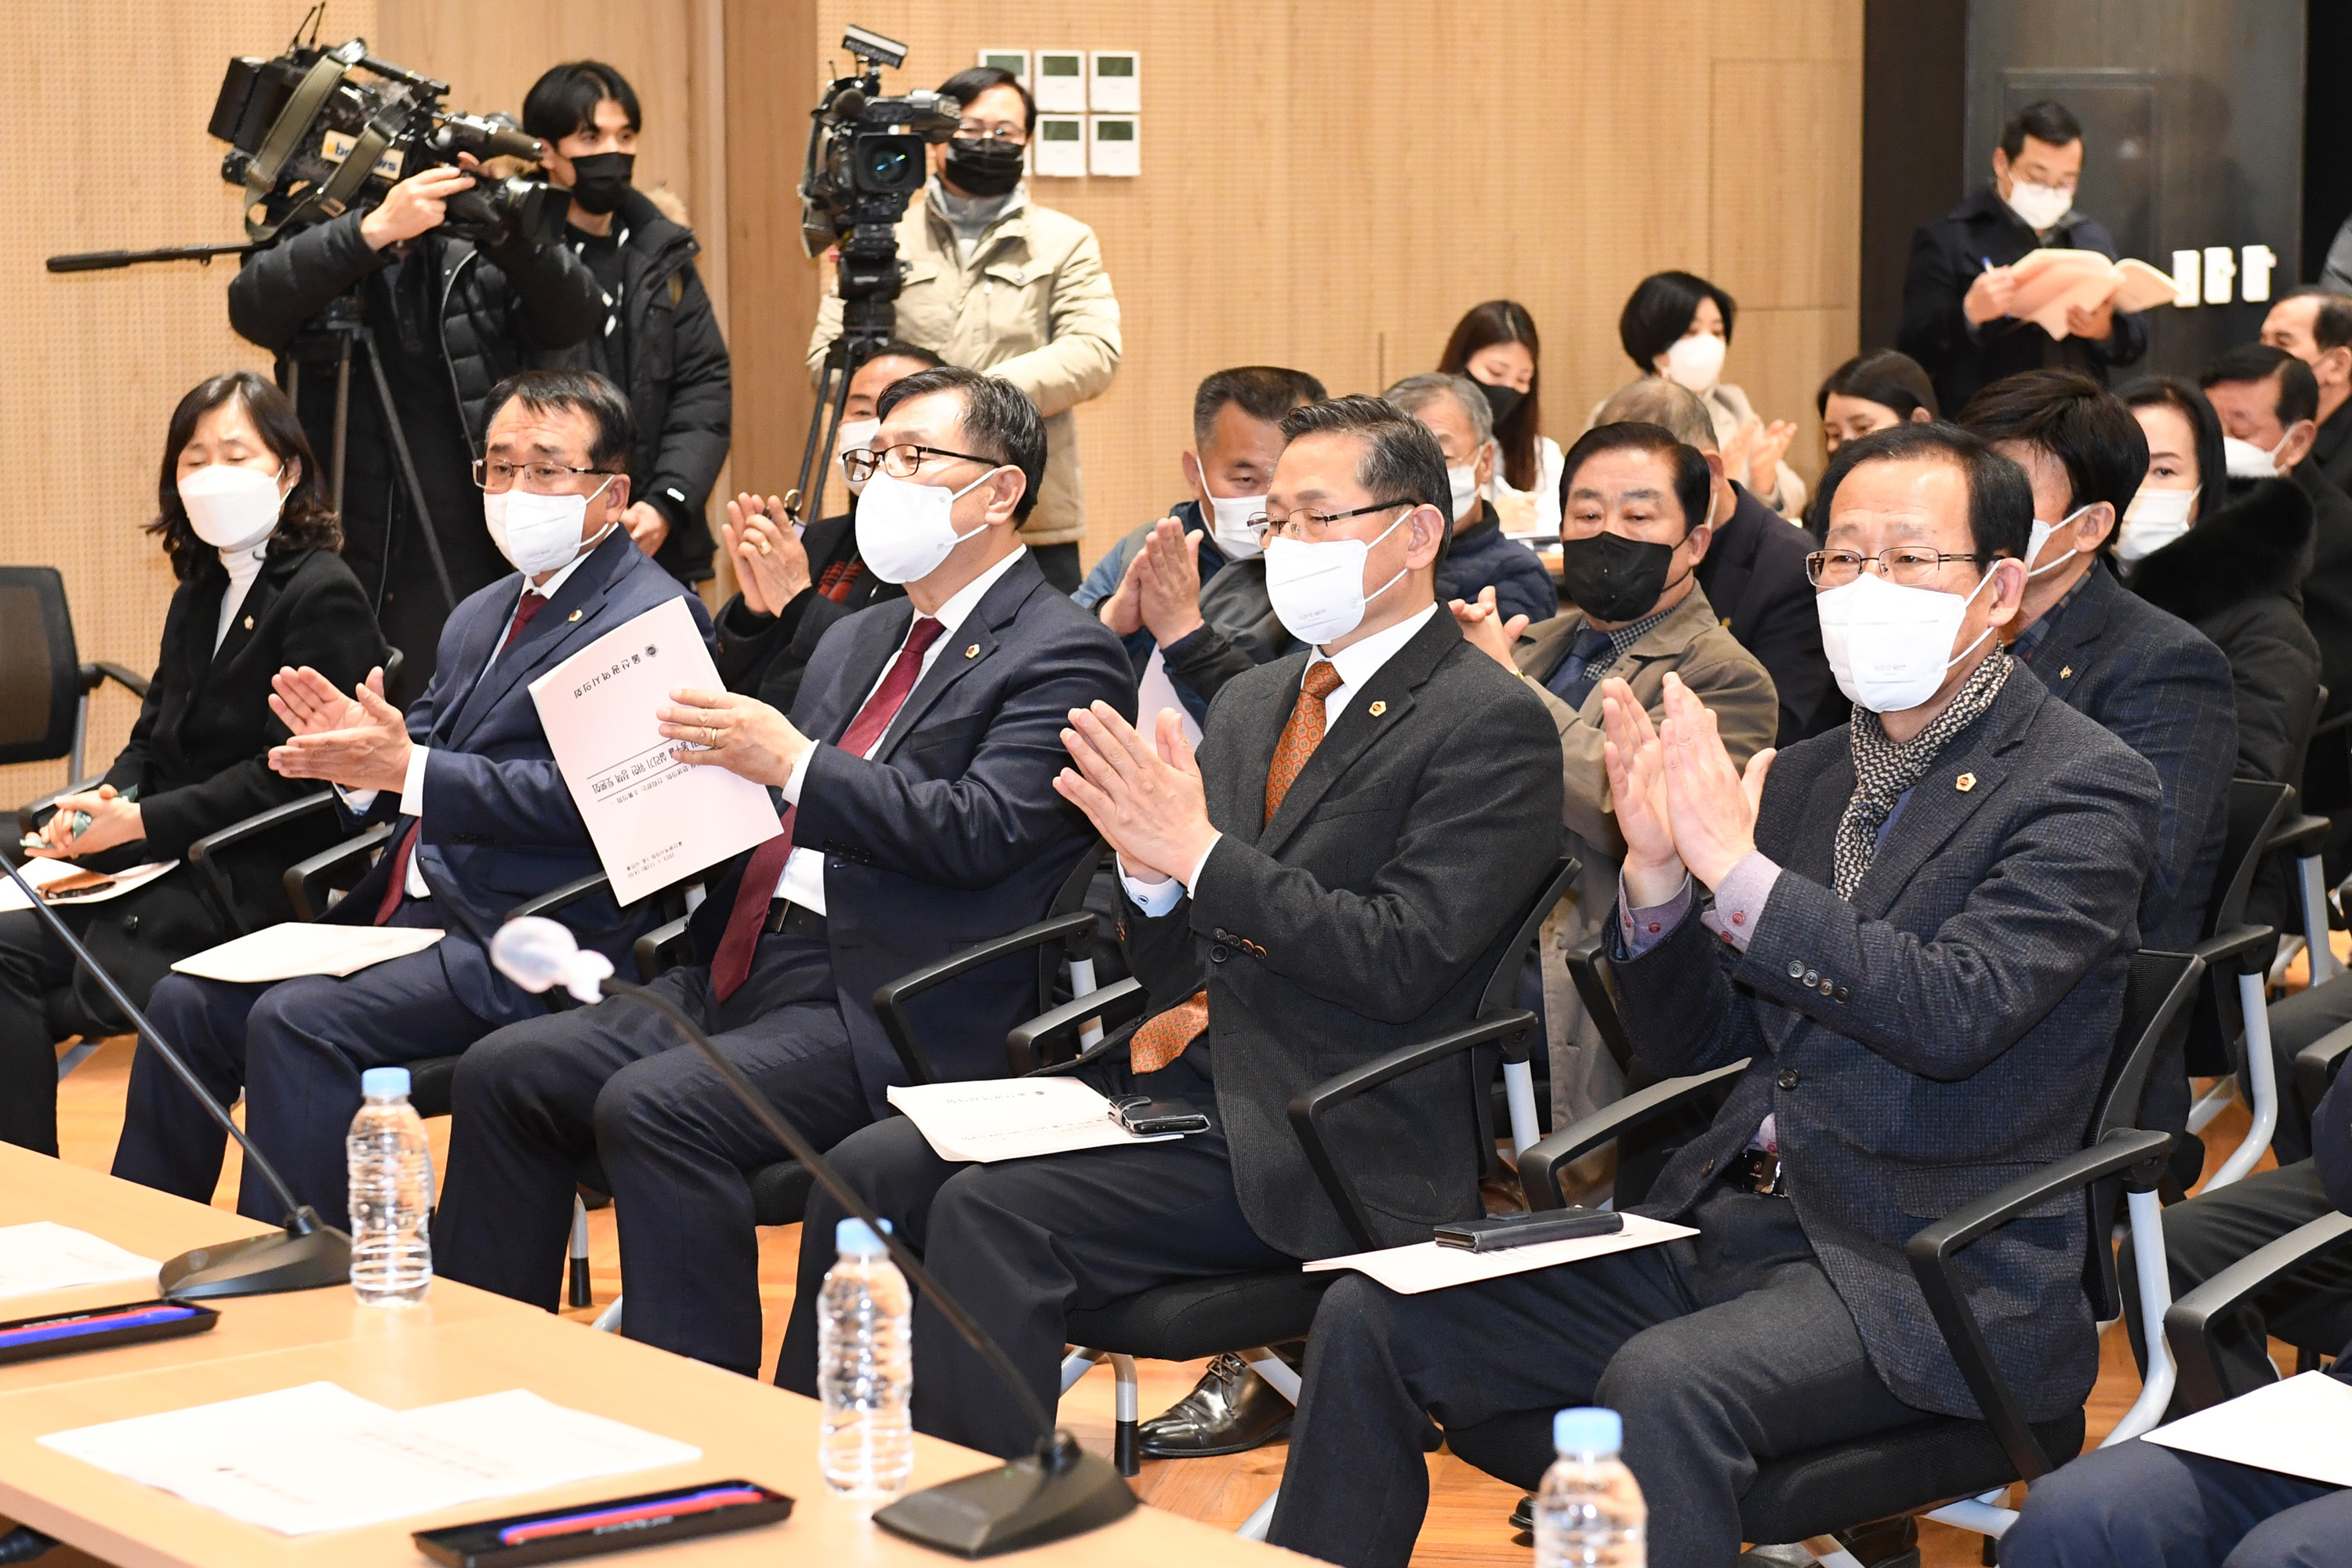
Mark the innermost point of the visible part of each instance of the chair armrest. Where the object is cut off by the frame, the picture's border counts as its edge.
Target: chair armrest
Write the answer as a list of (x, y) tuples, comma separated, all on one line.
[(94, 676), (2189, 1326), (2298, 836), (1540, 1163), (29, 815), (656, 950), (203, 854), (1115, 1004), (2315, 1065), (556, 900), (1584, 967), (304, 879), (2236, 942), (1077, 931), (2138, 1156), (1307, 1111)]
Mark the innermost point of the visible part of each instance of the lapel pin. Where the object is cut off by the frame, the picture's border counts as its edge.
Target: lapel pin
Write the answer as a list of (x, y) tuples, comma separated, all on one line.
[(973, 652), (248, 623), (575, 615), (1965, 783), (2064, 671), (1377, 708)]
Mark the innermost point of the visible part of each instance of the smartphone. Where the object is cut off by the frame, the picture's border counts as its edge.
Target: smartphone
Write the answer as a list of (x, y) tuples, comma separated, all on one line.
[(1496, 1232), (1146, 1117)]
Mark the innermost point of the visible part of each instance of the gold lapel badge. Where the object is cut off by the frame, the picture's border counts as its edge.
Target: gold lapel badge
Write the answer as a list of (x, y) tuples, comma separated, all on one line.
[(1377, 708), (248, 623), (573, 616), (2065, 671), (973, 652), (1965, 783)]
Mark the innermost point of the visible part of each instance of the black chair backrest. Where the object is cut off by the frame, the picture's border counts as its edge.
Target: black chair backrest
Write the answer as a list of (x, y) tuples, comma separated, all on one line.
[(2159, 987), (40, 668), (2256, 808), (2302, 753), (1503, 985)]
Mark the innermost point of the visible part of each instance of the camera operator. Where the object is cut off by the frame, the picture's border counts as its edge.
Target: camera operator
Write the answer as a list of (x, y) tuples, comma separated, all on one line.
[(995, 284), (449, 319), (659, 340)]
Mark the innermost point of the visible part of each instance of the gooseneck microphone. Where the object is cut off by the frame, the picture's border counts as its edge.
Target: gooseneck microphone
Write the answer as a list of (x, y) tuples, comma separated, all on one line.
[(1059, 1491), (306, 1253)]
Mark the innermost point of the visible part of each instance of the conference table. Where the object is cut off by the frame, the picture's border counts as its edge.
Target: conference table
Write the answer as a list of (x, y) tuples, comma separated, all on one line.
[(461, 1341)]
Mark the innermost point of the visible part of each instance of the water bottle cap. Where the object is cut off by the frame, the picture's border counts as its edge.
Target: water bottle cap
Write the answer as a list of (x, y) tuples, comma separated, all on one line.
[(384, 1083), (1588, 1430), (854, 1238)]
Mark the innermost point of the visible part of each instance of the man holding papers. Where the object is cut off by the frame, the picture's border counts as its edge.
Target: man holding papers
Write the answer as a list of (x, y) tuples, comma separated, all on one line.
[(481, 822), (915, 780)]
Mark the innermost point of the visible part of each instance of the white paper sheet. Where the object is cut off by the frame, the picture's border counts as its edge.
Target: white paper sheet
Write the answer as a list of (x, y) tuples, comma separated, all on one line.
[(1013, 1118), (283, 952), (319, 1457), (1410, 1270), (1156, 691), (653, 820), (44, 1255), (41, 872), (2301, 1427)]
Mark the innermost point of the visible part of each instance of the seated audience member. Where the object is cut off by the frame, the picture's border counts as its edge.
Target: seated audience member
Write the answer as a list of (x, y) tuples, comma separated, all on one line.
[(918, 818), (1330, 881), (1636, 502), (794, 584), (1872, 391), (2314, 325), (1754, 569), (1494, 344), (481, 817), (1477, 557), (1678, 326), (1968, 837), (2233, 570), (1188, 592), (244, 520), (2140, 1503)]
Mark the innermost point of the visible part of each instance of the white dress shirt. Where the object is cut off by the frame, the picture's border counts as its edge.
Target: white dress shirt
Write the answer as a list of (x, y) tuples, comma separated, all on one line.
[(244, 566), (803, 878), (1357, 663)]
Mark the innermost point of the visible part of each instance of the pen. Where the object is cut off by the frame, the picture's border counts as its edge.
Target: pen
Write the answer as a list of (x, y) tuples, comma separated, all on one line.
[(92, 1323), (636, 1516)]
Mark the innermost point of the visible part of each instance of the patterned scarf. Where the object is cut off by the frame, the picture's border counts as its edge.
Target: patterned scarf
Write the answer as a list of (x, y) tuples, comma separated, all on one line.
[(1883, 770)]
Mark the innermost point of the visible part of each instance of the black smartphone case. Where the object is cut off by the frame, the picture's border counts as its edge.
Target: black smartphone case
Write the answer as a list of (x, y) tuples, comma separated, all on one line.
[(477, 1545), (1499, 1232), (98, 1339)]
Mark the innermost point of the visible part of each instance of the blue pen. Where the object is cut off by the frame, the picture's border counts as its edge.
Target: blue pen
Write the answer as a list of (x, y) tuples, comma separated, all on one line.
[(92, 1323), (1988, 262)]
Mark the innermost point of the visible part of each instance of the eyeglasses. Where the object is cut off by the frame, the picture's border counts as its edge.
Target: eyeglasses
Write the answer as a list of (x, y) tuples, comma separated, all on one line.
[(1311, 527), (1905, 565), (903, 461), (539, 478), (1008, 135)]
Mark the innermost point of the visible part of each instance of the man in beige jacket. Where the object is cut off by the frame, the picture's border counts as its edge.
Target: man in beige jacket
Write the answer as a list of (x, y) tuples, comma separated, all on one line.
[(1636, 509), (993, 283)]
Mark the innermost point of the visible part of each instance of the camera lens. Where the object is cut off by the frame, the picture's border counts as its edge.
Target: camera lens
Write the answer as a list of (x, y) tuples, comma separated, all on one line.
[(889, 163)]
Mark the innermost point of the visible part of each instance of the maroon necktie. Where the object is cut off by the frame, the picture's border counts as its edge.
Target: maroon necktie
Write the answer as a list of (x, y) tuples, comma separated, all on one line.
[(732, 964), (533, 601)]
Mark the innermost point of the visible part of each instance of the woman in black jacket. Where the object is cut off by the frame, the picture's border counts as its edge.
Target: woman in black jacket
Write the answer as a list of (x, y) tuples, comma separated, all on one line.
[(246, 523)]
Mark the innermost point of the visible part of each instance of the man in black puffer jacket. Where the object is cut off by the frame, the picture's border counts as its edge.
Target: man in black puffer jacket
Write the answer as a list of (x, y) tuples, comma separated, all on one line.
[(449, 319)]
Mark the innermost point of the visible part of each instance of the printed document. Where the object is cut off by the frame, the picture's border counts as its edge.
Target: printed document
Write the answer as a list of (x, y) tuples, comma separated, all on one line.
[(284, 952), (654, 820), (2301, 1427), (319, 1457), (1013, 1118), (62, 882), (46, 1255), (1425, 1266), (2051, 280)]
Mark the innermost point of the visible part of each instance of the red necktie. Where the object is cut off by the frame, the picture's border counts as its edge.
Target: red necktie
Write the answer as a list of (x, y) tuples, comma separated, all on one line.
[(732, 964), (533, 601)]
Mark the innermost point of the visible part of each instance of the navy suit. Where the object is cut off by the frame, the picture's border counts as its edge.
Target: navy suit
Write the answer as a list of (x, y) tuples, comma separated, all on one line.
[(499, 827), (949, 834)]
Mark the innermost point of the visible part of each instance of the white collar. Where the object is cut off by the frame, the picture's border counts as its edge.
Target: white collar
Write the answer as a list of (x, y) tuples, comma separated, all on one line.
[(967, 598), (1359, 661), (554, 584)]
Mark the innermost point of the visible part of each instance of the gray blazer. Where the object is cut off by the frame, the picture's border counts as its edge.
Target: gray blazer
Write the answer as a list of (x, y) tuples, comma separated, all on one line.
[(1363, 917), (1943, 1034)]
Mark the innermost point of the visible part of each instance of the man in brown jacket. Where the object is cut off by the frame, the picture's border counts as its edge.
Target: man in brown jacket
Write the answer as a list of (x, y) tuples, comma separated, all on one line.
[(1636, 509)]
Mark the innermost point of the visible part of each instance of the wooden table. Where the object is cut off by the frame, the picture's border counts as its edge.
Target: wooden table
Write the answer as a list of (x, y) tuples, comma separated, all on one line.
[(462, 1342)]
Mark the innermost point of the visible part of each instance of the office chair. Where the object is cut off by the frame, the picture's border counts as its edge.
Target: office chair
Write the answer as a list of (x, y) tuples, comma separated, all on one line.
[(2236, 952), (45, 688)]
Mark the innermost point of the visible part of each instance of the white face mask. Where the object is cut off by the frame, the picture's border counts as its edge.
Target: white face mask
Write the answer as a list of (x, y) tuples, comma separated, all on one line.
[(1229, 517), (2154, 520), (2041, 206), (1465, 484), (2245, 460), (1890, 648), (538, 533), (905, 530), (855, 436), (1317, 590), (2040, 536), (1696, 363), (231, 508)]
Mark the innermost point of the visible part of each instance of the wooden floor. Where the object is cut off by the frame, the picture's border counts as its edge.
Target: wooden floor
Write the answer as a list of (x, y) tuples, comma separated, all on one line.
[(1468, 1510)]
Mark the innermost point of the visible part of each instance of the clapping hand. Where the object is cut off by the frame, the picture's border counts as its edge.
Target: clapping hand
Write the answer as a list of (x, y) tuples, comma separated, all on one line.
[(1710, 803), (1168, 581), (771, 565), (1146, 798), (1123, 611), (1484, 628), (1653, 869), (359, 742)]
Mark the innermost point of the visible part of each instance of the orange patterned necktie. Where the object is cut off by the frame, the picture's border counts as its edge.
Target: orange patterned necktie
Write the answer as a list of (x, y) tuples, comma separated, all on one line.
[(1162, 1039)]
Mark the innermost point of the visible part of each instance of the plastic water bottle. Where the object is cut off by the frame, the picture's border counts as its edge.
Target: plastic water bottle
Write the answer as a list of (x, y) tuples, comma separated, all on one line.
[(1588, 1513), (866, 1370), (391, 1194)]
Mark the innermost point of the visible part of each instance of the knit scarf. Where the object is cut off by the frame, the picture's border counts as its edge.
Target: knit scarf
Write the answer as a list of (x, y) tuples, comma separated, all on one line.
[(1883, 770)]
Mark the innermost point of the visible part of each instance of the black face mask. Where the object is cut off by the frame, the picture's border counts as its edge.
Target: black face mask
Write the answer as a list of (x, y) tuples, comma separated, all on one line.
[(983, 168), (1504, 401), (598, 180), (1612, 578)]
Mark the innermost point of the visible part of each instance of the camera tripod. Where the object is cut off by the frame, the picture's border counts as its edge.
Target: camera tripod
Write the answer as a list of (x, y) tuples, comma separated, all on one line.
[(868, 317)]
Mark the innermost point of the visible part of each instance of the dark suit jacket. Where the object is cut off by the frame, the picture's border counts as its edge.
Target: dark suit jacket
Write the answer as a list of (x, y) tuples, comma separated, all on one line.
[(766, 657), (1363, 917), (952, 832), (1754, 575), (1478, 556), (1944, 1033), (2331, 449), (499, 823), (1946, 254), (2162, 689)]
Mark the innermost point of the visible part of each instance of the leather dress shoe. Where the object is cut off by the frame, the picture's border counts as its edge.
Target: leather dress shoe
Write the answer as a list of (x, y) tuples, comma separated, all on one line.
[(1230, 1411)]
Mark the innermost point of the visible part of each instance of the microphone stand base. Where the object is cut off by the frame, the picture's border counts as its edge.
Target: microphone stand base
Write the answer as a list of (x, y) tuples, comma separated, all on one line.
[(1028, 1502), (262, 1265)]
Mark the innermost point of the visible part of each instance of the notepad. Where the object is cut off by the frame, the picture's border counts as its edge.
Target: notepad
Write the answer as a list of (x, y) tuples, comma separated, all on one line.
[(44, 1255), (1425, 1266), (1013, 1118), (288, 951), (2301, 1427)]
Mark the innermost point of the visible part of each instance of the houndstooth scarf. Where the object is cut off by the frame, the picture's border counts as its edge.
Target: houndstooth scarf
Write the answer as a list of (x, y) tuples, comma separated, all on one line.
[(1883, 770)]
